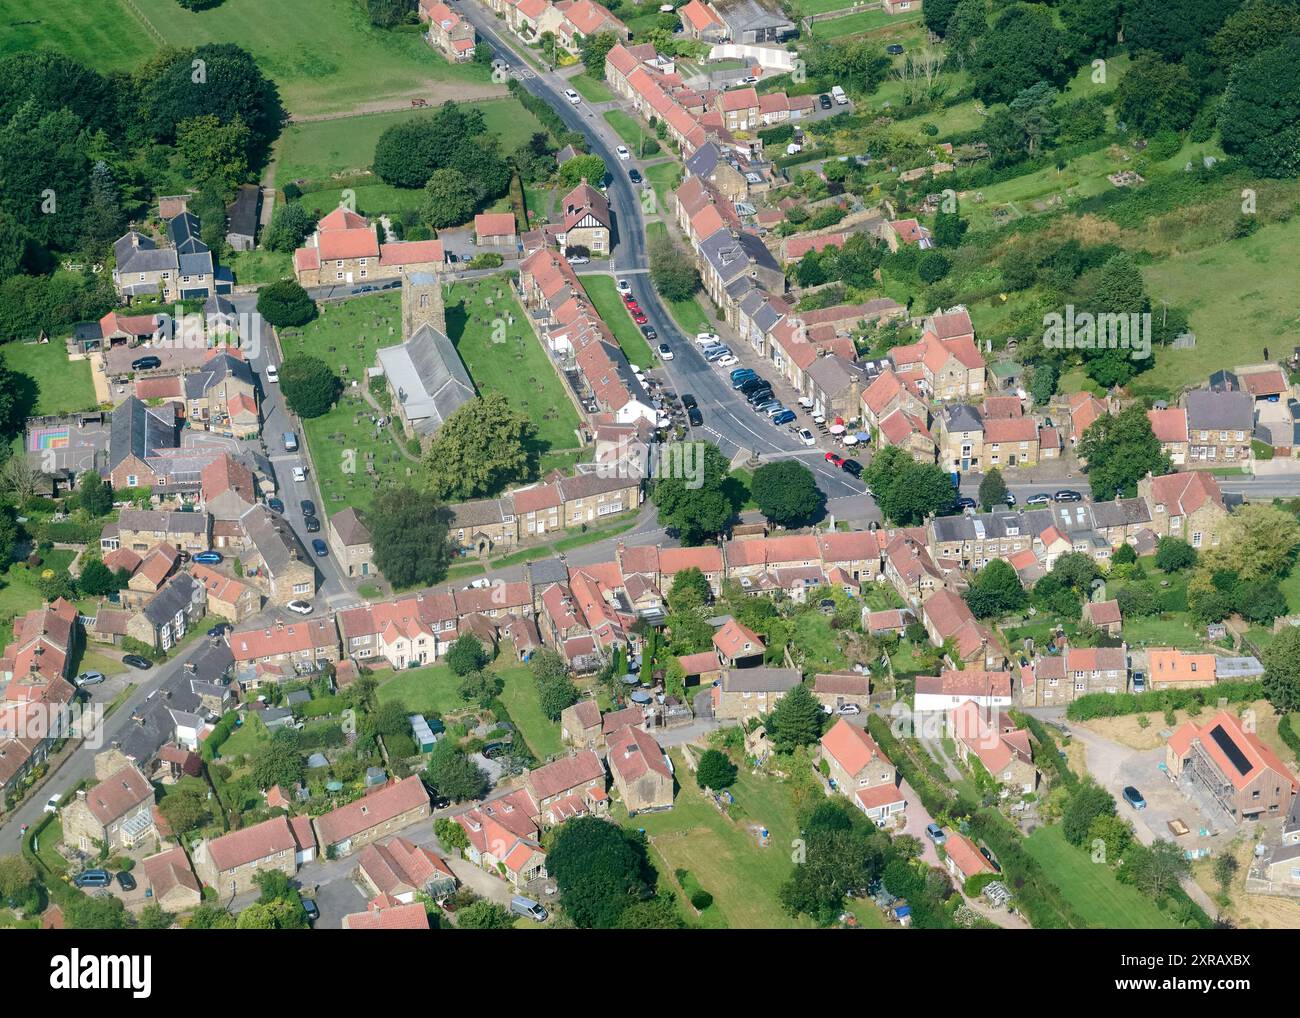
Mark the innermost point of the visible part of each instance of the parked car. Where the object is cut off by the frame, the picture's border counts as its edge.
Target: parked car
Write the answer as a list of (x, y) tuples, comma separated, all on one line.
[(307, 506), (299, 474), (89, 679), (136, 661), (640, 318), (763, 406), (145, 363), (750, 384), (526, 907), (852, 467), (758, 396), (835, 458), (319, 547), (299, 607), (689, 401), (649, 332), (623, 286), (716, 354), (1139, 682), (276, 505), (634, 175), (312, 524), (208, 558), (272, 373), (623, 152), (52, 803), (1068, 495), (989, 856), (1041, 498), (1134, 798), (935, 833), (964, 503), (743, 373), (125, 880), (220, 629), (707, 337), (728, 360), (806, 437), (1011, 500), (573, 97), (694, 417), (785, 417), (92, 878), (824, 101), (665, 351), (849, 709), (309, 907)]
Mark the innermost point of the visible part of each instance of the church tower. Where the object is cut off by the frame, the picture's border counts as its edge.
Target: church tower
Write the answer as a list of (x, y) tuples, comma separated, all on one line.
[(422, 303)]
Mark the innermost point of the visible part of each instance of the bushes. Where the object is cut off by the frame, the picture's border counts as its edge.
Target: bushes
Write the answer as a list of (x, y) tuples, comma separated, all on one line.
[(1110, 705), (1036, 896), (699, 898)]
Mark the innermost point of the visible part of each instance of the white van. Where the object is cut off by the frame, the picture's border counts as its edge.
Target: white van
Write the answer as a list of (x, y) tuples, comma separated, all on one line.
[(526, 907), (838, 95)]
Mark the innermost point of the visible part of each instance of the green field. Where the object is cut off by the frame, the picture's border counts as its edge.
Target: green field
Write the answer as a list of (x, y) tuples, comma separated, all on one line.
[(591, 89), (248, 738), (628, 127), (103, 35), (520, 698), (724, 854), (609, 305), (319, 149), (1091, 888), (855, 24), (516, 366), (664, 178), (346, 336), (262, 266), (57, 385), (428, 690), (1249, 306)]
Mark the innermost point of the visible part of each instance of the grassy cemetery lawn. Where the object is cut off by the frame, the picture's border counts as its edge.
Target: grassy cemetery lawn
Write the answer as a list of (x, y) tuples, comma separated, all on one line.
[(56, 385), (352, 457), (503, 355)]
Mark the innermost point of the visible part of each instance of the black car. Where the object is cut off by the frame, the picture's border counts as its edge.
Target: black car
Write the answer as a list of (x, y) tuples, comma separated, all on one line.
[(894, 49), (649, 332), (309, 906), (824, 101), (964, 503), (759, 396), (989, 856), (751, 384), (125, 881), (312, 524), (694, 416), (308, 507), (220, 629), (852, 467), (634, 175), (276, 505), (688, 401), (136, 661), (1068, 495), (320, 547), (145, 363)]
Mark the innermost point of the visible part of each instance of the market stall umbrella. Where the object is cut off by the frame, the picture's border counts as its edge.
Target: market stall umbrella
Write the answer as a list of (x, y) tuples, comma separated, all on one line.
[(850, 439), (862, 436), (837, 429)]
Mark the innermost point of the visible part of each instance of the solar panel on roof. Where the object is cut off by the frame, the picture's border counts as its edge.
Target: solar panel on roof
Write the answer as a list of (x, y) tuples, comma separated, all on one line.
[(1230, 749)]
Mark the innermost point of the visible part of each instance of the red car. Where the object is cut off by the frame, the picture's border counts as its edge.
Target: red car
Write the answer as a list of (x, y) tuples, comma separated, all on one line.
[(833, 458), (628, 298), (639, 318), (633, 306)]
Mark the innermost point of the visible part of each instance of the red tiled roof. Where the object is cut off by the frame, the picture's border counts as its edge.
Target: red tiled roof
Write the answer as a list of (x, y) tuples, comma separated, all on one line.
[(374, 809), (851, 747)]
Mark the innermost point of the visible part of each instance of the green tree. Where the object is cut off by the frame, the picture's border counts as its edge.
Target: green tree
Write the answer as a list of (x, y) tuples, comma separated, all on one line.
[(690, 590), (993, 490), (555, 695), (1154, 95), (932, 266), (389, 13), (279, 762), (100, 913), (210, 917), (93, 495), (787, 494), (467, 655), (582, 167), (153, 917), (672, 271), (1022, 47), (996, 591), (1255, 26), (290, 226), (1091, 26), (1173, 555), (937, 14), (483, 446), (484, 915), (1259, 119), (1282, 670), (409, 532), (1158, 869), (1121, 449), (454, 774), (694, 501), (906, 491), (594, 49), (599, 868), (1257, 542), (285, 304), (451, 836), (1173, 30), (310, 387), (715, 770), (17, 879), (214, 152), (449, 199), (1086, 803), (796, 720)]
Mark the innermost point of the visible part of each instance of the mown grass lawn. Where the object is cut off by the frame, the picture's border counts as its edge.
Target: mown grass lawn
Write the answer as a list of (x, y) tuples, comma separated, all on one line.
[(18, 591), (664, 178), (1091, 888), (591, 89), (252, 267), (57, 385), (723, 854), (103, 35), (609, 305), (628, 127), (503, 355), (429, 690), (521, 700), (324, 55), (247, 739), (319, 149)]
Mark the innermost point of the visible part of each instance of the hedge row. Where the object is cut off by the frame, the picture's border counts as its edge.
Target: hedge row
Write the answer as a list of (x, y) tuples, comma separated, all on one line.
[(1036, 896), (936, 797), (1110, 705), (1049, 757)]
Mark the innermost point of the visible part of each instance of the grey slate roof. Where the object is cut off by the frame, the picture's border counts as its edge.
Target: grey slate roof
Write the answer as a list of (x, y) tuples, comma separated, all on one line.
[(220, 367), (274, 540), (429, 378), (242, 212), (138, 430), (1122, 512), (134, 252), (175, 597), (834, 374), (547, 570), (1220, 411), (963, 418), (704, 161), (760, 680)]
